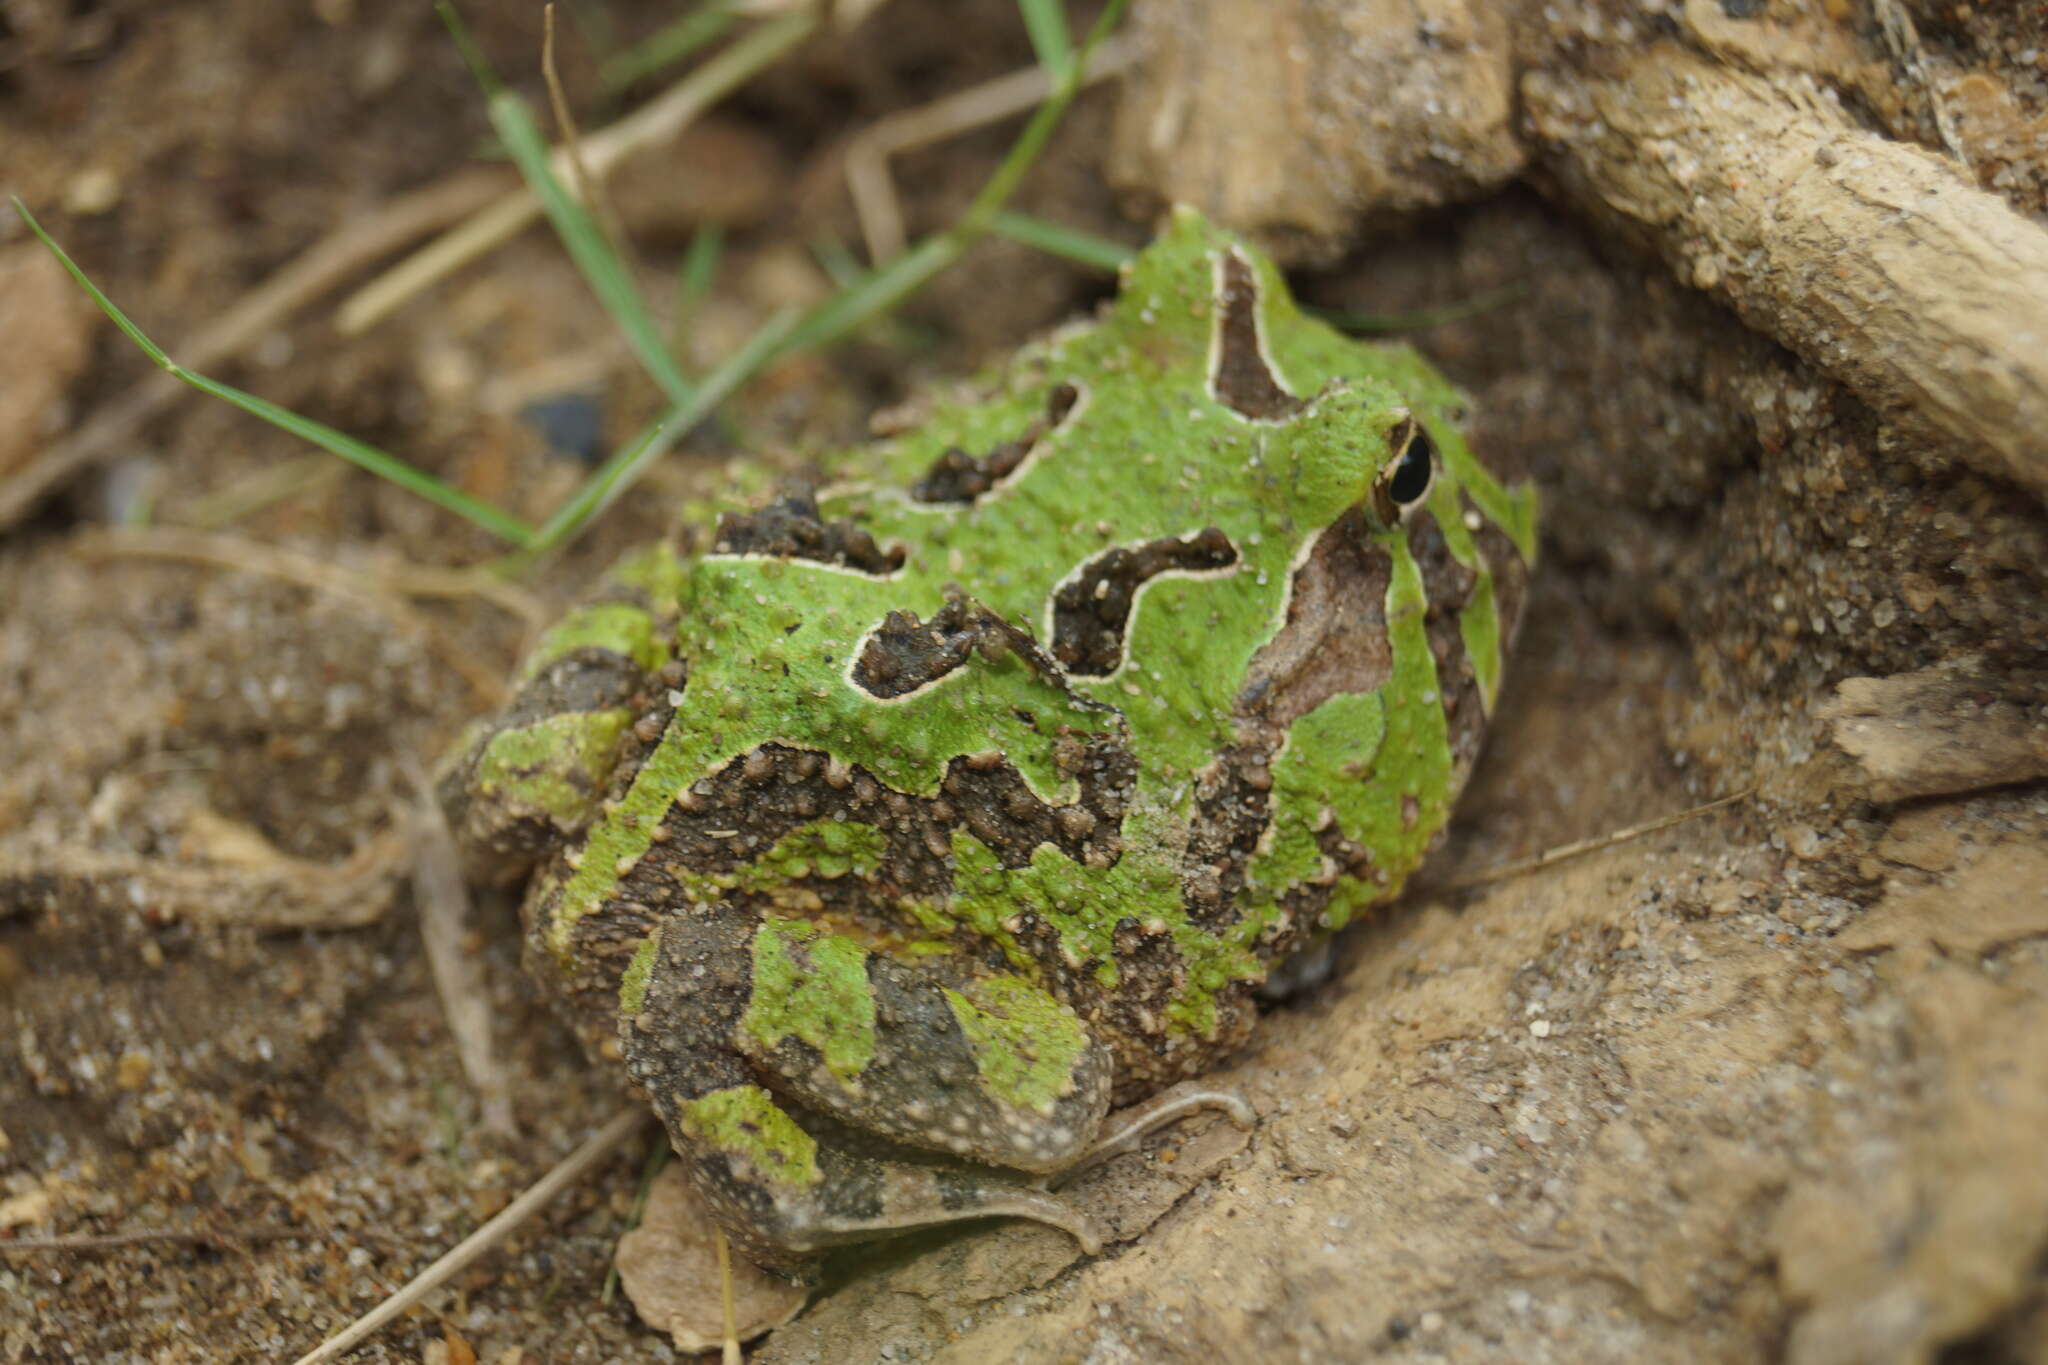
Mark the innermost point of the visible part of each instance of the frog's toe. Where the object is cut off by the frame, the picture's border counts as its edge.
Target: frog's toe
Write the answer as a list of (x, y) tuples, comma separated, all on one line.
[(781, 1182), (918, 1196), (1127, 1128)]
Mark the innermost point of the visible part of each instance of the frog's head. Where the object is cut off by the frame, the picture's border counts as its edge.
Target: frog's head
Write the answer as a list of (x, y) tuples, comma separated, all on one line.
[(1403, 559), (1375, 426)]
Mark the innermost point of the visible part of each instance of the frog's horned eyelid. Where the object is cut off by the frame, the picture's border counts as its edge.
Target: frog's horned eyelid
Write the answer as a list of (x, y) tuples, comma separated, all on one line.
[(1409, 475)]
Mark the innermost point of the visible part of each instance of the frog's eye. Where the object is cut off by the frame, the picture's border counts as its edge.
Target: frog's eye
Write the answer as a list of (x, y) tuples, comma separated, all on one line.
[(1410, 472)]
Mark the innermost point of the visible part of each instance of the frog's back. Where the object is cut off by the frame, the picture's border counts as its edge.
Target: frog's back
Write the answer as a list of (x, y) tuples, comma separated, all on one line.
[(1126, 677)]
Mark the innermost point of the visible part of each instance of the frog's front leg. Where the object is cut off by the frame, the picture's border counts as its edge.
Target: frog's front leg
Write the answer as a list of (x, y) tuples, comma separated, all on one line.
[(527, 780), (843, 1069)]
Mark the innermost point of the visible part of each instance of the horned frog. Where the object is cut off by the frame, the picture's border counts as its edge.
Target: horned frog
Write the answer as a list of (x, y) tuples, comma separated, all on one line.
[(889, 834)]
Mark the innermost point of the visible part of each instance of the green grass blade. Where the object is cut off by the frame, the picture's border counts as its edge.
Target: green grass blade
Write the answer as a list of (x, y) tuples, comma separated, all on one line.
[(1083, 248), (386, 466), (501, 524), (602, 266), (693, 280), (1380, 324), (594, 25), (875, 293), (115, 315), (705, 24), (626, 466), (880, 291), (1046, 22), (594, 253), (480, 69), (838, 262), (1024, 151)]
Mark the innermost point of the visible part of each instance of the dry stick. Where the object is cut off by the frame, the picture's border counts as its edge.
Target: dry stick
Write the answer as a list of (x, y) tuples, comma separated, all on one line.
[(867, 155), (1593, 845), (443, 903), (661, 118), (1878, 263), (731, 1354), (357, 243), (570, 1169), (588, 190), (287, 893)]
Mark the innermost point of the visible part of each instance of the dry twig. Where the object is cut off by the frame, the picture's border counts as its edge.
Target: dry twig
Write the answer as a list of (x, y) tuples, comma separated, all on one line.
[(117, 1241), (1584, 846), (274, 892), (566, 1172), (659, 120), (587, 189), (1877, 262), (867, 155)]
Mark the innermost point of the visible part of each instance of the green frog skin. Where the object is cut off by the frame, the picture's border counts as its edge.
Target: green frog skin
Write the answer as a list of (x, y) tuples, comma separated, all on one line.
[(890, 833)]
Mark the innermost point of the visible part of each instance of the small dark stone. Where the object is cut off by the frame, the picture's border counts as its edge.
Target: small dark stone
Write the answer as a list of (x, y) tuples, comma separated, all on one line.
[(571, 423)]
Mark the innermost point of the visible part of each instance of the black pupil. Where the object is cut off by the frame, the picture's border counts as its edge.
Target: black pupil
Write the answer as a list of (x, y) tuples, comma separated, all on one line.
[(1411, 474)]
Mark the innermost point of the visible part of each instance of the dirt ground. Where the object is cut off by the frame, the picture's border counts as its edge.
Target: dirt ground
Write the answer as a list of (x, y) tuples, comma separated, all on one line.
[(1769, 1084)]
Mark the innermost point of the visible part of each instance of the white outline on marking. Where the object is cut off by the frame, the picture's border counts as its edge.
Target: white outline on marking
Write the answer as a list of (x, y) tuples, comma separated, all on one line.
[(1137, 596), (1215, 363), (898, 495), (846, 570)]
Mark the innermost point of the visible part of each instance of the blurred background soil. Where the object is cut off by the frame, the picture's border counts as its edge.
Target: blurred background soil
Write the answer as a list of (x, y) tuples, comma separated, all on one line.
[(1770, 1084)]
